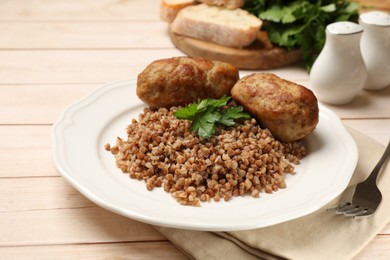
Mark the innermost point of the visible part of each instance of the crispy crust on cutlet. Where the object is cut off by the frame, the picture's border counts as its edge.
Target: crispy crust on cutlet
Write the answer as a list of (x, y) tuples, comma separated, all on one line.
[(288, 110), (181, 80)]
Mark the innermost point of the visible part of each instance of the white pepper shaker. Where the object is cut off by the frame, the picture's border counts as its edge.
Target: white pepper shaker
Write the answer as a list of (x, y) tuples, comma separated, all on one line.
[(375, 48), (338, 74)]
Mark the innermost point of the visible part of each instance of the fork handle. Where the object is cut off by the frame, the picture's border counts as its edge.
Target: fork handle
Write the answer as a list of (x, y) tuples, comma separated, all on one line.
[(374, 174)]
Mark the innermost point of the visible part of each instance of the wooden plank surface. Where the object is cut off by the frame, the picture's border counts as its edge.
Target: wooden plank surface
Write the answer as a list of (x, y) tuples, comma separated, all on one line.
[(91, 66), (71, 226), (35, 194), (75, 66), (376, 249), (40, 103), (52, 53), (84, 35), (25, 151), (80, 10)]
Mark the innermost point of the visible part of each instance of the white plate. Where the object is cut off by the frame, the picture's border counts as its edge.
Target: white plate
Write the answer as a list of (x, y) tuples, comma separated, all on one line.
[(78, 139)]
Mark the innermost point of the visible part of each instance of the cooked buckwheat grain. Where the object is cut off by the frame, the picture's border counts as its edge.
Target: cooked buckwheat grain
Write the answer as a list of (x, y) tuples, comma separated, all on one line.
[(244, 159)]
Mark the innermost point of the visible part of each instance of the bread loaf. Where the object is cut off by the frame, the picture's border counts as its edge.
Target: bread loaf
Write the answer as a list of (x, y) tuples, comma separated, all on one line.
[(170, 8), (233, 28), (231, 4)]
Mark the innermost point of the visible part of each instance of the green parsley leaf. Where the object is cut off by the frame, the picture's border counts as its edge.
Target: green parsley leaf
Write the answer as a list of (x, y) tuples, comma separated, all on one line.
[(187, 112), (274, 14), (207, 113), (205, 123), (232, 113), (215, 103)]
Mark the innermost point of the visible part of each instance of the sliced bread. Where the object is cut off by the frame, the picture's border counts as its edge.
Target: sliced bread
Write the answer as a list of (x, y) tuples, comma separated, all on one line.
[(231, 4), (170, 8), (234, 28)]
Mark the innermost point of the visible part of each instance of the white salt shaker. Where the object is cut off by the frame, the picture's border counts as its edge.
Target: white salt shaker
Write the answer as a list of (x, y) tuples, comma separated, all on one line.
[(375, 48), (338, 74)]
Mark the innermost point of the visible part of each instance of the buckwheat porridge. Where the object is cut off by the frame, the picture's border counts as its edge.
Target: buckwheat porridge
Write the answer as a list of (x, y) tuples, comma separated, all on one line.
[(236, 161)]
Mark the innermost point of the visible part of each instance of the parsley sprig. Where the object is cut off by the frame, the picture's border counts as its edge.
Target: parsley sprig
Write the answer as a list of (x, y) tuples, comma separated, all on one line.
[(301, 23), (207, 113)]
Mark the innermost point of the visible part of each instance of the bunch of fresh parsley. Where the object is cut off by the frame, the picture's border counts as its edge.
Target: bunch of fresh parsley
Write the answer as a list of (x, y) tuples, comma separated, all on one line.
[(301, 23), (208, 112)]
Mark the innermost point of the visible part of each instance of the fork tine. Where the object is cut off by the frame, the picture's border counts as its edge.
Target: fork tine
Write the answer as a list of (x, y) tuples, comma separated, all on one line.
[(367, 212), (355, 212), (345, 208), (340, 206), (349, 211)]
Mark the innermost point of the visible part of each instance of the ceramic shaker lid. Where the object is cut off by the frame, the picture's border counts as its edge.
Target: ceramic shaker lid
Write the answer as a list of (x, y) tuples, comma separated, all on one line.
[(375, 18), (344, 28)]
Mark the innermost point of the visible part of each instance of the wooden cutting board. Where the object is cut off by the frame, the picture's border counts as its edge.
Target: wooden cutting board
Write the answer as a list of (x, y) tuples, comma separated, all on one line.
[(260, 55)]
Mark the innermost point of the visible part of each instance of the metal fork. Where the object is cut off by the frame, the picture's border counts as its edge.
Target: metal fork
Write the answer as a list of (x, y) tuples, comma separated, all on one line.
[(367, 196)]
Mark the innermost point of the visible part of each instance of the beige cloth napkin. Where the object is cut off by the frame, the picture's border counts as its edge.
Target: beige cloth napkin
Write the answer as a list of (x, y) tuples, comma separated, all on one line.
[(320, 235)]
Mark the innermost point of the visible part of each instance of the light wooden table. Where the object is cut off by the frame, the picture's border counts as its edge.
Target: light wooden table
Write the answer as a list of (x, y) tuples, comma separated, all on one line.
[(53, 53)]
